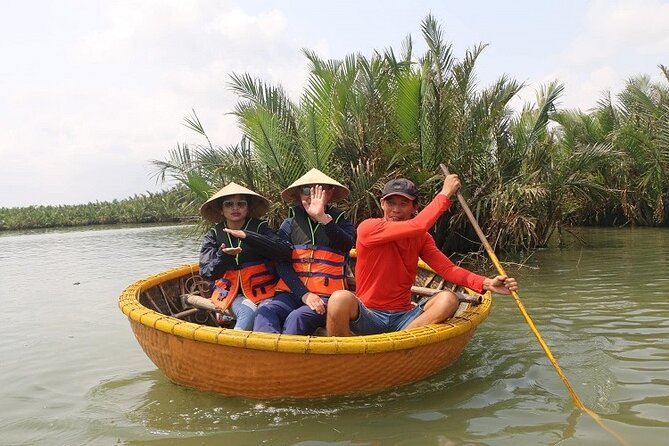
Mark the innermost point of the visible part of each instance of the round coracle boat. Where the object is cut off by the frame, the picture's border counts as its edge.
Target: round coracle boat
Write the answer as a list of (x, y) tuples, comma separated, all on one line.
[(187, 343)]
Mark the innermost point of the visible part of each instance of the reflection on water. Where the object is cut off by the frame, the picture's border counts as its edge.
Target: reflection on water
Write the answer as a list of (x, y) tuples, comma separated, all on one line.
[(72, 372)]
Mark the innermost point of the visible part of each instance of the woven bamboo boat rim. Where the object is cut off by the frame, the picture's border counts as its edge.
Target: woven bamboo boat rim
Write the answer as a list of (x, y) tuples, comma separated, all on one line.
[(401, 340)]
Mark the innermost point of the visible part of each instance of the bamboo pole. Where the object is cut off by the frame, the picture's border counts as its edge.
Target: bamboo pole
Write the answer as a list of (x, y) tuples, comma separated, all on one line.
[(528, 319), (429, 292)]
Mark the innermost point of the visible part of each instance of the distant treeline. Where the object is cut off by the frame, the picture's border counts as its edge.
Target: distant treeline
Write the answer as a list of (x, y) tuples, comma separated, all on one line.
[(162, 207), (526, 174)]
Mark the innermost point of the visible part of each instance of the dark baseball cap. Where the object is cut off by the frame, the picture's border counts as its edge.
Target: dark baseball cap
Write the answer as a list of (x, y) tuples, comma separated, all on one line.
[(400, 186)]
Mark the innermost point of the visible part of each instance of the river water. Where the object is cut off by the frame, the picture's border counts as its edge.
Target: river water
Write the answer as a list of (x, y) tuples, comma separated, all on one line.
[(72, 372)]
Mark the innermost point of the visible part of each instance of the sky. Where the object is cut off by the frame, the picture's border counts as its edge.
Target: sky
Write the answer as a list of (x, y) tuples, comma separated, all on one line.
[(91, 91)]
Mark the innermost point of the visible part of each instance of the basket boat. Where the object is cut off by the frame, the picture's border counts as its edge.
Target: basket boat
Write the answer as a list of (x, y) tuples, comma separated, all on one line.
[(189, 347)]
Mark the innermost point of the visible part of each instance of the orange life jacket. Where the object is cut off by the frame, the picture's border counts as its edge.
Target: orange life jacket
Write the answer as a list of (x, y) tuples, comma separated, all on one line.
[(320, 267), (255, 281), (253, 276)]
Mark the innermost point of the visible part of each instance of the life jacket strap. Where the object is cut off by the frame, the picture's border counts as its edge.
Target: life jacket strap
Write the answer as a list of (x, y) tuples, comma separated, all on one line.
[(317, 260)]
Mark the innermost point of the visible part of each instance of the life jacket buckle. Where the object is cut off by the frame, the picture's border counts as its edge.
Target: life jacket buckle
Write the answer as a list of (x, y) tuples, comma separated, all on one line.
[(222, 294)]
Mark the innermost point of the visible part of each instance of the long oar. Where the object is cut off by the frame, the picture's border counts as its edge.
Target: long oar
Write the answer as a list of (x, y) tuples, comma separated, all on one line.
[(528, 319)]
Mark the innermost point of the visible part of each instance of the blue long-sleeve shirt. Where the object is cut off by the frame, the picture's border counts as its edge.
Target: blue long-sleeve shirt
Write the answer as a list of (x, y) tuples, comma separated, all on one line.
[(261, 245)]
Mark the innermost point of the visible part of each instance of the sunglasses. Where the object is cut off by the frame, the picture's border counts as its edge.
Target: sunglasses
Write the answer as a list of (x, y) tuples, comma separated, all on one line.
[(231, 203), (306, 190)]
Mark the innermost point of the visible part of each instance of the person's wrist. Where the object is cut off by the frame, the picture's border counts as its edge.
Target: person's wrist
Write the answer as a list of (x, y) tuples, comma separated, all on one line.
[(325, 219), (487, 284)]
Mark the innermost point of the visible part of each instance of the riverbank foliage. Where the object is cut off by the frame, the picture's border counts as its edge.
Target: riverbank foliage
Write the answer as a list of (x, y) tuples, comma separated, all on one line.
[(160, 207), (526, 174)]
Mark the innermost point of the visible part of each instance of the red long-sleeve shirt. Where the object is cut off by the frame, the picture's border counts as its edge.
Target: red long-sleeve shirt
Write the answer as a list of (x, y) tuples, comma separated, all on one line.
[(388, 253)]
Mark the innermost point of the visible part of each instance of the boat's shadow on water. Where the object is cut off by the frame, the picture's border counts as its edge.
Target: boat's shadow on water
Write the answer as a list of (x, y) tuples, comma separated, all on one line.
[(147, 408), (461, 400)]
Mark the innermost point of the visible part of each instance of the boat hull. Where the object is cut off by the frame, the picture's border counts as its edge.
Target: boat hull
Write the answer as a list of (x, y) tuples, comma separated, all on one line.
[(261, 365)]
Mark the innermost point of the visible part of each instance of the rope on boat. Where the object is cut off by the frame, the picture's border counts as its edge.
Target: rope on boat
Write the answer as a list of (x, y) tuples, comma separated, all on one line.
[(192, 300), (528, 319), (195, 284), (462, 297)]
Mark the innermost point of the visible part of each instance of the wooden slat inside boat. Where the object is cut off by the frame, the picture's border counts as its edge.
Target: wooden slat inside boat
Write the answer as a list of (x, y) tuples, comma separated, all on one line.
[(196, 352)]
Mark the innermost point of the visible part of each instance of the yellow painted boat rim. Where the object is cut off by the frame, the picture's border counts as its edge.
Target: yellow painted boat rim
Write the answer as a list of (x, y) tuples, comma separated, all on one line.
[(130, 305)]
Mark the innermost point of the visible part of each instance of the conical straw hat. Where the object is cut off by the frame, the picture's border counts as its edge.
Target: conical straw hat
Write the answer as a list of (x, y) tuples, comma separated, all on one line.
[(211, 209), (315, 176)]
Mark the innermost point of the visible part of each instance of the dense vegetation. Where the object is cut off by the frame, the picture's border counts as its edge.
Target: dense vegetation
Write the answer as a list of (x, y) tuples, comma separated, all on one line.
[(151, 208), (526, 174)]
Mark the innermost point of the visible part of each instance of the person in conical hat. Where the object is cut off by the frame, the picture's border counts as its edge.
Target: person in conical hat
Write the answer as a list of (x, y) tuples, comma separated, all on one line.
[(212, 209), (315, 177), (321, 237), (238, 254)]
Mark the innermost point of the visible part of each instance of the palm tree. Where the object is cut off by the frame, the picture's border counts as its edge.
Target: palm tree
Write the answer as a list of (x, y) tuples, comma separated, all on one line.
[(364, 120), (644, 111), (635, 127)]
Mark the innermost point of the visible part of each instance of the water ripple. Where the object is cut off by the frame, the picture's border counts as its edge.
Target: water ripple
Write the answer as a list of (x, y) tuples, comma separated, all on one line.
[(74, 374)]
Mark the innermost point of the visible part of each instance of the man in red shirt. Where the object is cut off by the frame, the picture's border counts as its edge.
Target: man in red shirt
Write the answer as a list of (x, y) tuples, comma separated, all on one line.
[(388, 249)]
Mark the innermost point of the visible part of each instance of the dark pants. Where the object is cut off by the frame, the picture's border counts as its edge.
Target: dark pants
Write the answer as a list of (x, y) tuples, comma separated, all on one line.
[(288, 315)]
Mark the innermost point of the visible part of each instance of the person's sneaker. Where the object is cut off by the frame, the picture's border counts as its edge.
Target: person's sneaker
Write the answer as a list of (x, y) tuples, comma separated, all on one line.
[(225, 320), (320, 331)]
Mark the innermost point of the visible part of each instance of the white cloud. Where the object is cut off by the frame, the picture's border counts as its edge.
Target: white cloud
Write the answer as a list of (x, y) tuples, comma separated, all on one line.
[(91, 91), (618, 40), (238, 26), (88, 132), (625, 29), (129, 22), (633, 26)]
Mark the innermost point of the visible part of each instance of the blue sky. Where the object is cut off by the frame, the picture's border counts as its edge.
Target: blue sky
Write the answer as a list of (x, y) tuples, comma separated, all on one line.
[(93, 90)]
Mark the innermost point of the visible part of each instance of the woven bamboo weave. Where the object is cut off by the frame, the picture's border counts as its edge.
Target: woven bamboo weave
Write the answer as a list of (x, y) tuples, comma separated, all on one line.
[(262, 365)]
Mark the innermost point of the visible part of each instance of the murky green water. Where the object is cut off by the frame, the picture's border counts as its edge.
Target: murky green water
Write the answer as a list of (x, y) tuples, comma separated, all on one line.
[(72, 372)]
